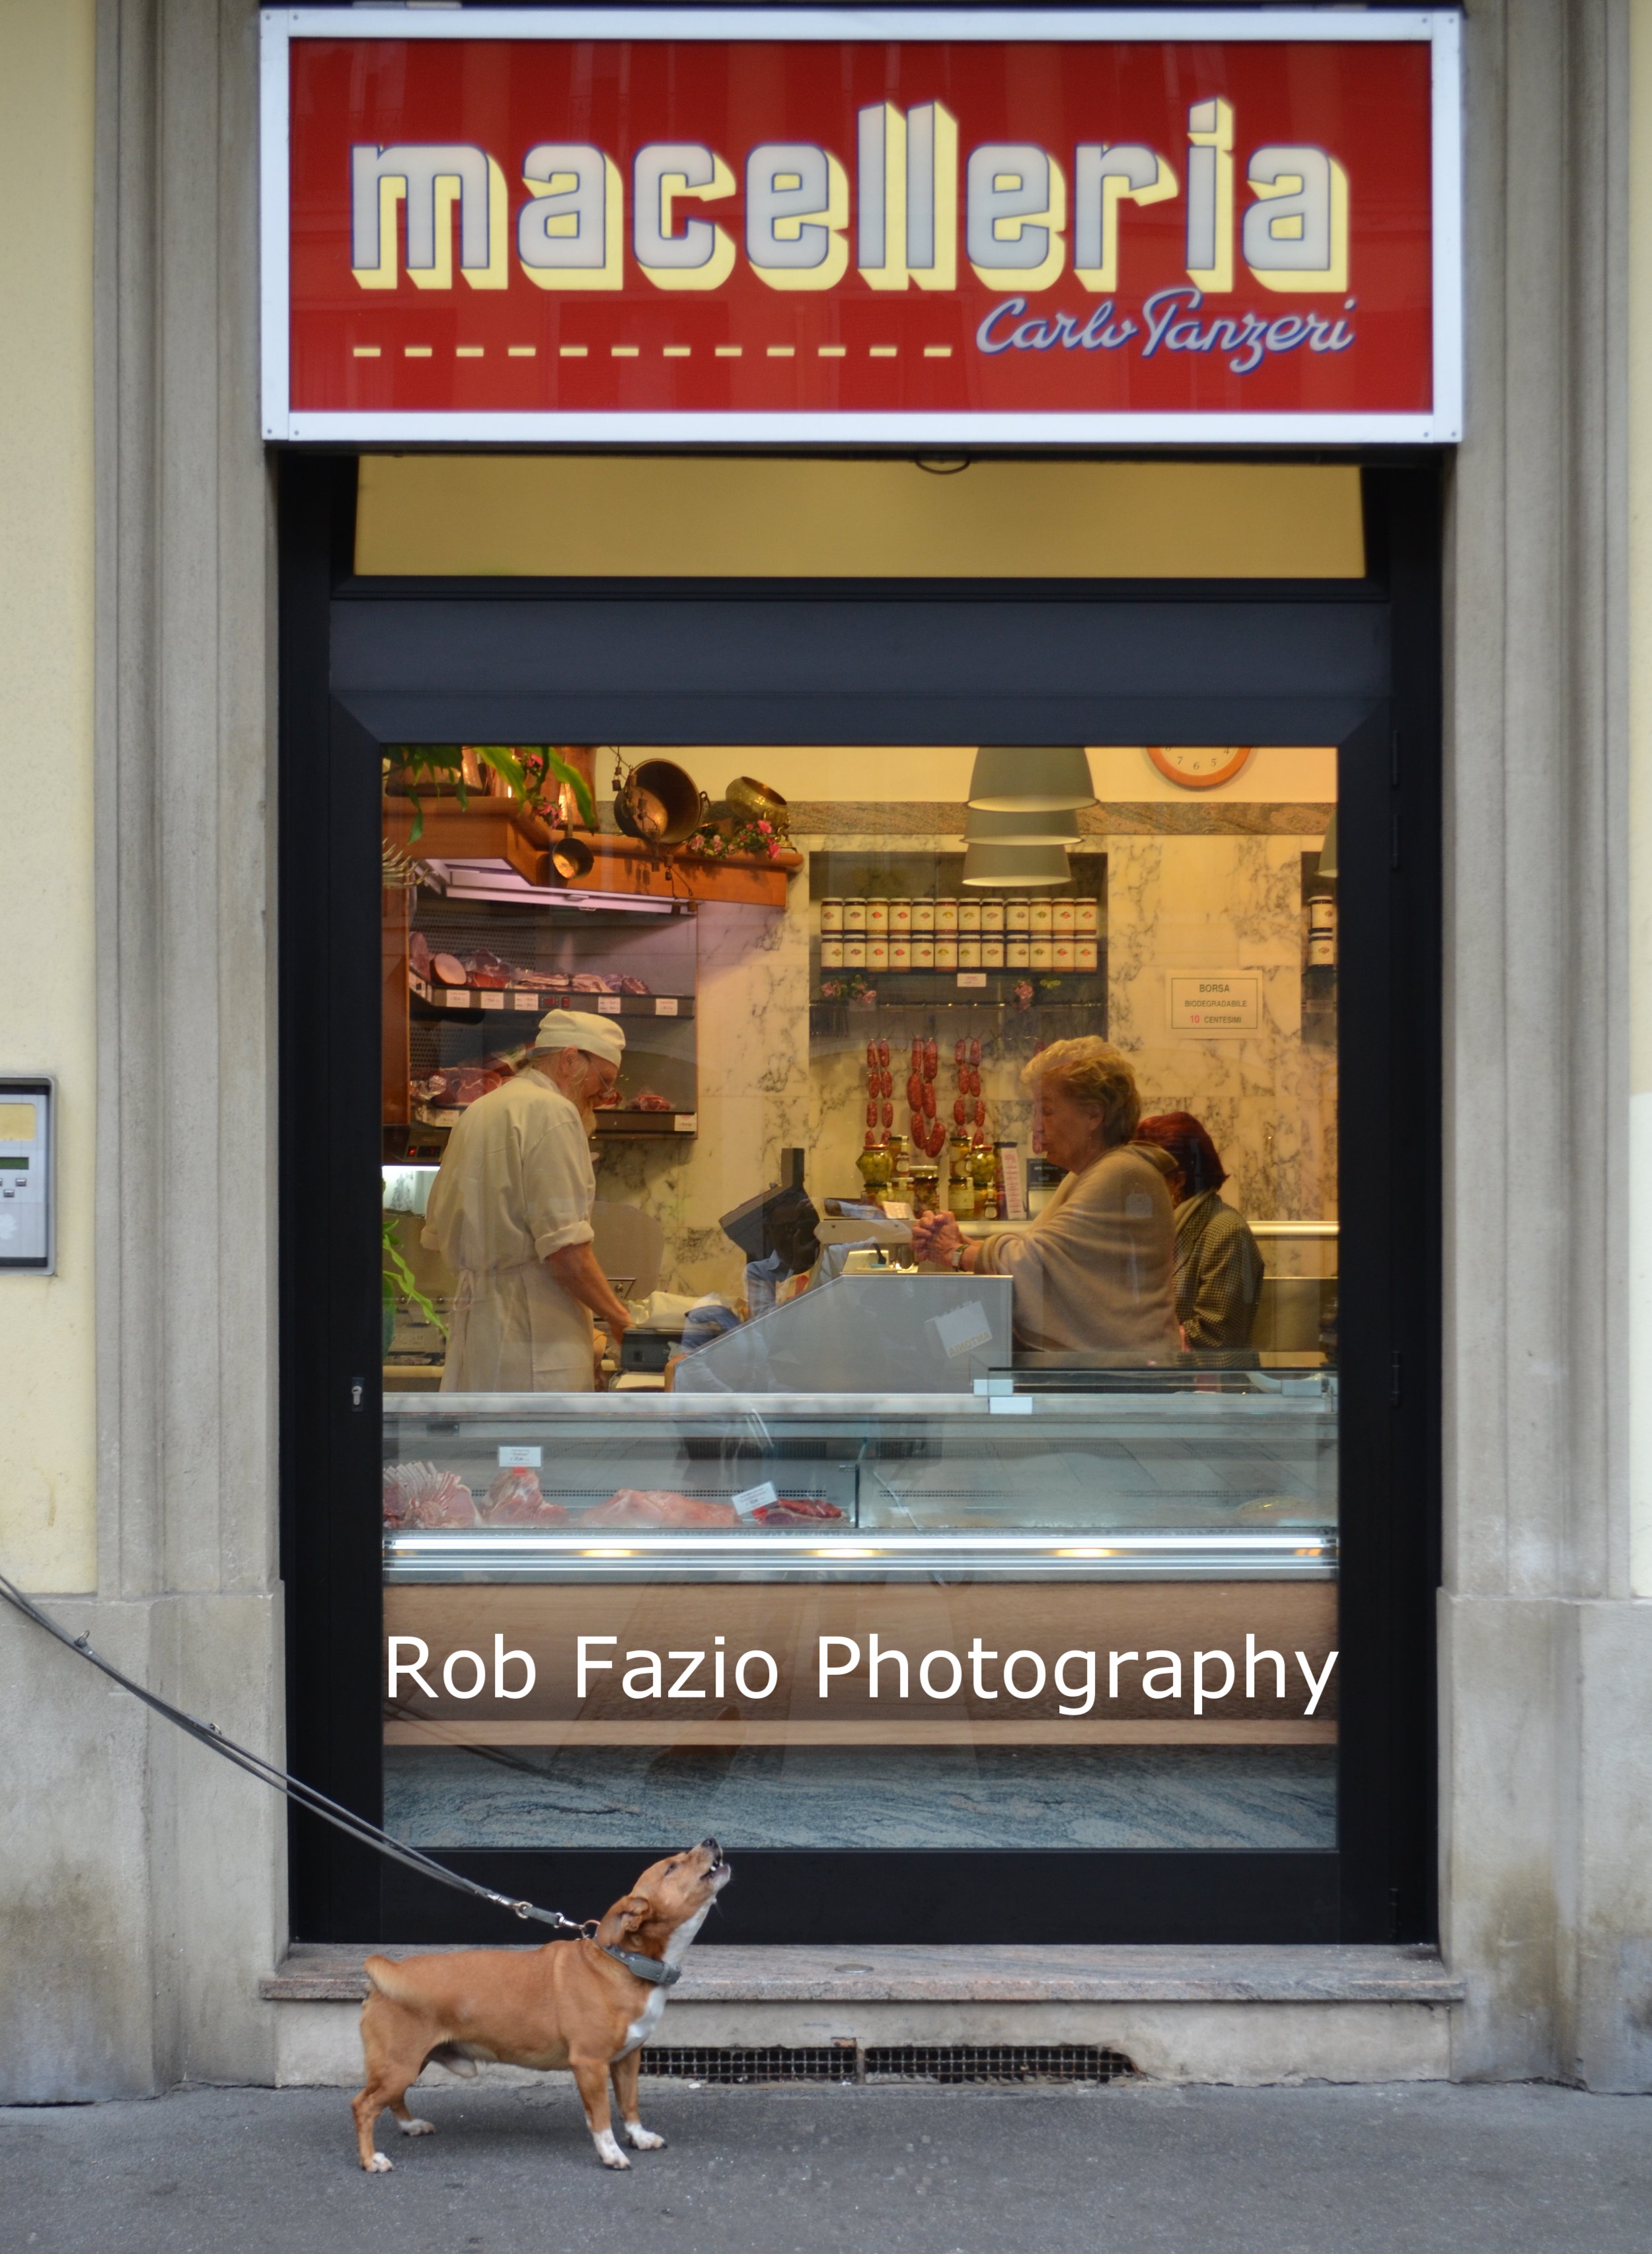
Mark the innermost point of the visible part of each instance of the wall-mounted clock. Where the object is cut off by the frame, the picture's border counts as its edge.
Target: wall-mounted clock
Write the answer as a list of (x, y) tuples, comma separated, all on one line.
[(1199, 766)]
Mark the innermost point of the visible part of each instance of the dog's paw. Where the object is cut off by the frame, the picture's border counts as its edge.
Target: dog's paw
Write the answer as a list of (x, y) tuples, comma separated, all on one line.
[(413, 2127), (643, 2139), (378, 2165), (609, 2152)]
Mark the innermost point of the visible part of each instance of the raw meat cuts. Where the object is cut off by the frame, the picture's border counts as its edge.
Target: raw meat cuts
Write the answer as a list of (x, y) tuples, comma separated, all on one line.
[(487, 968), (419, 952), (448, 970), (627, 983), (646, 1100), (422, 1496), (795, 1510), (515, 1499), (588, 982), (657, 1507)]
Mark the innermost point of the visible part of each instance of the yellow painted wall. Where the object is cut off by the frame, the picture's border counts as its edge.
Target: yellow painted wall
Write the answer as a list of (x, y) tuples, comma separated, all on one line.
[(47, 1454), (621, 517)]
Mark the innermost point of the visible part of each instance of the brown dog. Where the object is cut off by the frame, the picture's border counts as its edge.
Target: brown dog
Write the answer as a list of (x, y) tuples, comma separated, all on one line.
[(587, 2005)]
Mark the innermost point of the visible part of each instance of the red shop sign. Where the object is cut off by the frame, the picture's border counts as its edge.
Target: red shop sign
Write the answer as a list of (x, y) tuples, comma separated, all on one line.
[(533, 226)]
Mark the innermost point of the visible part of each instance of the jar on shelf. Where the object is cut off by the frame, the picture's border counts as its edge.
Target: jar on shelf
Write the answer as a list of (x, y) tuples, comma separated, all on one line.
[(1061, 918), (831, 954), (1040, 918), (1086, 918), (877, 953), (992, 955), (1086, 953), (855, 954), (992, 916), (946, 954), (900, 955), (969, 955), (1321, 932), (831, 916), (1060, 954), (1017, 953), (969, 916), (923, 915), (1042, 953), (877, 917), (1017, 915), (855, 915), (925, 1178), (900, 919), (922, 954), (961, 1188), (946, 915)]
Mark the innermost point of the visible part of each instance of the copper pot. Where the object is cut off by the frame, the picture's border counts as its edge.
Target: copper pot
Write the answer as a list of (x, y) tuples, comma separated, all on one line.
[(659, 802), (750, 800)]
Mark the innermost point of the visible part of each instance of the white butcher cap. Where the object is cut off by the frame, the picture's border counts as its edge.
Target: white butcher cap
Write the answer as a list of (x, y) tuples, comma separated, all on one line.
[(580, 1029)]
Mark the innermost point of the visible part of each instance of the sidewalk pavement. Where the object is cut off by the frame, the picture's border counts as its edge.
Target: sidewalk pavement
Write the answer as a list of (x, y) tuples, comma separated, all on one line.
[(1397, 2168)]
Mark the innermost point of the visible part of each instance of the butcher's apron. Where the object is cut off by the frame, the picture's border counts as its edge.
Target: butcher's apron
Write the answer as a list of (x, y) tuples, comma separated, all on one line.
[(516, 1330)]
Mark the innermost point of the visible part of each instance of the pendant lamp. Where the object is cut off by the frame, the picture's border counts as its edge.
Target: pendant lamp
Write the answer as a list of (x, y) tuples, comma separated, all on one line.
[(1328, 851), (1031, 778), (1015, 866), (1060, 828)]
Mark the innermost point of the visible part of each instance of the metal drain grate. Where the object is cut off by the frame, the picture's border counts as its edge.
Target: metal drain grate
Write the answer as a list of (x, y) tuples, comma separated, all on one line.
[(1000, 2062), (952, 2064), (821, 2062)]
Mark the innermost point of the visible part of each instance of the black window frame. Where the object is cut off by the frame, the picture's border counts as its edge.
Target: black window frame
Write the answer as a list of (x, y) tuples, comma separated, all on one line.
[(1379, 1885)]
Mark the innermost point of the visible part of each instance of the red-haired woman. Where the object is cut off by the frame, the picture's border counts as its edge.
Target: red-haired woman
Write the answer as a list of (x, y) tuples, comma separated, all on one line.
[(1219, 1267)]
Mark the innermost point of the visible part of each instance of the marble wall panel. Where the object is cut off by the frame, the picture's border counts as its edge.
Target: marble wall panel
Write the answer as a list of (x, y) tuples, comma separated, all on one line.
[(752, 1020), (1268, 1097), (1230, 899)]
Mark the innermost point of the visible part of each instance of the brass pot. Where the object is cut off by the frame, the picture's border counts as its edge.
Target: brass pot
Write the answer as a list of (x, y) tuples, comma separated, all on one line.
[(659, 802), (750, 800), (571, 858)]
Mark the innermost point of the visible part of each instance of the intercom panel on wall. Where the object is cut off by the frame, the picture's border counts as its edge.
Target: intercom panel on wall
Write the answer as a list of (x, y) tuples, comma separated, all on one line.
[(28, 1188)]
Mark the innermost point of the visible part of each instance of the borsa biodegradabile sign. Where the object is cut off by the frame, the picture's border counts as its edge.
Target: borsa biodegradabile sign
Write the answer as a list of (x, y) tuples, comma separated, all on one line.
[(522, 226)]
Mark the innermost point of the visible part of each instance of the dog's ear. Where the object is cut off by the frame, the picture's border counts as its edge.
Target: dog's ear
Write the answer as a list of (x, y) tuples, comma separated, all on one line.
[(630, 1911)]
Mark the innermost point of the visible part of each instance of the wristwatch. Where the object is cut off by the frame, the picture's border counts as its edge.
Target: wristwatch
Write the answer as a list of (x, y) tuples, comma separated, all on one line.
[(957, 1258)]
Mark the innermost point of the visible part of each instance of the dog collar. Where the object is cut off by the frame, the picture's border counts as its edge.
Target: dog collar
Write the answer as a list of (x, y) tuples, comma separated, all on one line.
[(644, 1968)]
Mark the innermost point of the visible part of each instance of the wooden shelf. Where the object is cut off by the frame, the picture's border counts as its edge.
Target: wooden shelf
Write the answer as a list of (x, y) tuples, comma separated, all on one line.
[(500, 830)]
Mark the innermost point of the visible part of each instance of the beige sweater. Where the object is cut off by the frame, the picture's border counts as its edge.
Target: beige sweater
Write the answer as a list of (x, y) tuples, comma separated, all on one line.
[(1094, 1273)]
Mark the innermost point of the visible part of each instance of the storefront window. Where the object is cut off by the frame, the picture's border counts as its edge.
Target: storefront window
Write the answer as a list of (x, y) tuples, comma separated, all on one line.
[(953, 1459)]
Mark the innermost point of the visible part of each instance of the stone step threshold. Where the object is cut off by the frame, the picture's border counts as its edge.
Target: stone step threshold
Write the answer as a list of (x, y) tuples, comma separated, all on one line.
[(991, 1973)]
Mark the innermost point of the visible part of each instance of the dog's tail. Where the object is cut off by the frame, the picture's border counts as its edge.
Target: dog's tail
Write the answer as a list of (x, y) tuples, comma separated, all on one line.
[(384, 1975)]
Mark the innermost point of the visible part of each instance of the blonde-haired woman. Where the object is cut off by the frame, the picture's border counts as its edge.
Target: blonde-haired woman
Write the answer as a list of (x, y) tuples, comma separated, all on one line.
[(1095, 1273)]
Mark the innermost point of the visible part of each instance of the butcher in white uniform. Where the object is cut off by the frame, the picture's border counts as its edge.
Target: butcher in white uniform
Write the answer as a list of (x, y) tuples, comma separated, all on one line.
[(510, 1212)]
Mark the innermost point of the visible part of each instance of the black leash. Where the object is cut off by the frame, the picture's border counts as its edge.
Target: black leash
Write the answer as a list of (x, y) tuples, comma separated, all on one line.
[(304, 1796)]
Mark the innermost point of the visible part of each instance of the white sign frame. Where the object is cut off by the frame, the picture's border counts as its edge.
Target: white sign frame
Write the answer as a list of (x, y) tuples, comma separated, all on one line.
[(1440, 28)]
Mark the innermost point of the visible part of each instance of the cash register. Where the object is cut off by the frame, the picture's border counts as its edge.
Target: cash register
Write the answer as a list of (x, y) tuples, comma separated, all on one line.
[(865, 1324)]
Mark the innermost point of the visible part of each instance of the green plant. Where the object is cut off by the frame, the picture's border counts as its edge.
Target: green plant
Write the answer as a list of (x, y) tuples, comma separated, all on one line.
[(397, 1280), (534, 772)]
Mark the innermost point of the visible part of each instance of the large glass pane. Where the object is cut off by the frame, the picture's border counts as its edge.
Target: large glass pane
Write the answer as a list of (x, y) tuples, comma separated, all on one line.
[(965, 1473)]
